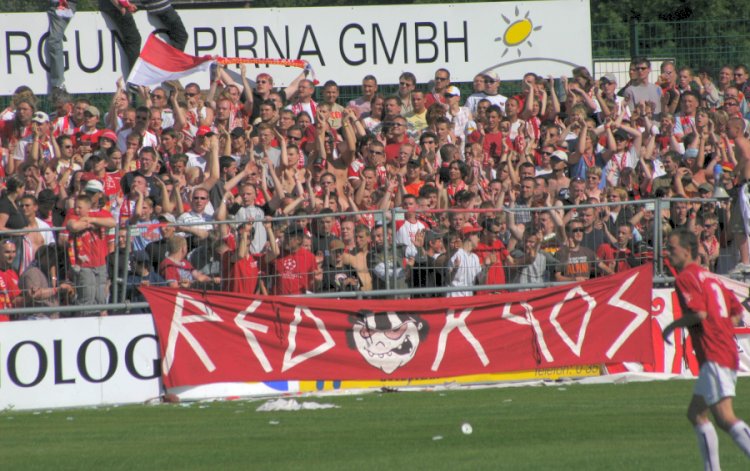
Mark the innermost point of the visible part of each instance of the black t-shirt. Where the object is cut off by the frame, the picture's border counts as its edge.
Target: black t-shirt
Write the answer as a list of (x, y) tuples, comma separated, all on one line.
[(16, 220)]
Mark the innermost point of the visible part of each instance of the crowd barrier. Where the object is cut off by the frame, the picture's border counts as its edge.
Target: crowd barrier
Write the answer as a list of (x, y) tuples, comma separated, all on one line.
[(390, 279), (115, 359)]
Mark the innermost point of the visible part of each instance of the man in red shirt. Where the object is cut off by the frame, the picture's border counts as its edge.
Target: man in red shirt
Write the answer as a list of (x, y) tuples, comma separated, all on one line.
[(8, 277), (87, 252), (297, 270), (709, 311), (492, 252), (442, 82)]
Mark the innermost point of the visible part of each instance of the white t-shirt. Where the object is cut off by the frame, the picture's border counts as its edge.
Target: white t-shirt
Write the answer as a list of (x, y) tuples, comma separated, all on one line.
[(468, 269)]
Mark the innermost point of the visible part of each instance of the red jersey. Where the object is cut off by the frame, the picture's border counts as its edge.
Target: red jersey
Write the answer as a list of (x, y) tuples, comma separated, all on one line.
[(493, 142), (496, 272), (240, 276), (89, 248), (295, 272), (176, 271), (8, 290), (713, 339)]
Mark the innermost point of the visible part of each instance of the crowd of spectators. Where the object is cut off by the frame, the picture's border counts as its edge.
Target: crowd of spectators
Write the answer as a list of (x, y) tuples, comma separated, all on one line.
[(250, 188)]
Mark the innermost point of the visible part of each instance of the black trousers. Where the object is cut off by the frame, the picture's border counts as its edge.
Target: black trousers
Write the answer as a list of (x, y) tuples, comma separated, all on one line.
[(125, 31), (174, 27)]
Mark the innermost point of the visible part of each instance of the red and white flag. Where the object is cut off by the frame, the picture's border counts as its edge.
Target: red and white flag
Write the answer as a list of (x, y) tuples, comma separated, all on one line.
[(159, 62)]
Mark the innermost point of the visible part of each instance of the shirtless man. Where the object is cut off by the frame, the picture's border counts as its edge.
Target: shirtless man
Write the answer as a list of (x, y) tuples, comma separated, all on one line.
[(357, 259), (735, 130)]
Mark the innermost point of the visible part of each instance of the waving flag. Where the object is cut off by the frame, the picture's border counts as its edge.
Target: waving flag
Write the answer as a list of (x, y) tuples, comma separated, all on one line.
[(159, 62)]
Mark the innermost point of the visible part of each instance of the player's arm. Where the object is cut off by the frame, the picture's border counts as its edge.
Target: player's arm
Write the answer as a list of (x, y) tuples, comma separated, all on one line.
[(689, 318)]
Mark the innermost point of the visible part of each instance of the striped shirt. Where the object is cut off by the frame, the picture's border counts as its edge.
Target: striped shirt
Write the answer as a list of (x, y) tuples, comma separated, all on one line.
[(153, 6)]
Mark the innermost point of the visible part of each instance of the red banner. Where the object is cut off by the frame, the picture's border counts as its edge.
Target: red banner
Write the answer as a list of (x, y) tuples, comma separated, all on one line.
[(208, 337)]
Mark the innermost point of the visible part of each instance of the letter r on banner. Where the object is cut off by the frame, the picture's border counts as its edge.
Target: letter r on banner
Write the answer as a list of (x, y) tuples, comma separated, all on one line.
[(177, 329), (453, 322)]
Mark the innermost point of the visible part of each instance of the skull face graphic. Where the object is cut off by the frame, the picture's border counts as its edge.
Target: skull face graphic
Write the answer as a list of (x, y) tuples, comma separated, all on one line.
[(387, 340)]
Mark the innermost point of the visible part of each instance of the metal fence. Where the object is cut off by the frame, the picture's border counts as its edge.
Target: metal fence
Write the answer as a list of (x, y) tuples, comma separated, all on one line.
[(393, 268), (704, 45)]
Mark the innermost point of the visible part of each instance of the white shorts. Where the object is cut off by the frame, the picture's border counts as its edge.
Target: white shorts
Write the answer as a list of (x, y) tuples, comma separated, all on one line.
[(715, 382)]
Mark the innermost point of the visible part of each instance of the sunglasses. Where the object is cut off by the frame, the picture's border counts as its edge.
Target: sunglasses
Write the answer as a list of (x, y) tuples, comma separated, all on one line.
[(190, 95), (643, 67), (294, 138), (441, 79), (578, 230)]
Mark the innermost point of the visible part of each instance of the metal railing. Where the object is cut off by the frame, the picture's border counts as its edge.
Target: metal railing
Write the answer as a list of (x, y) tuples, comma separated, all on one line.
[(392, 255)]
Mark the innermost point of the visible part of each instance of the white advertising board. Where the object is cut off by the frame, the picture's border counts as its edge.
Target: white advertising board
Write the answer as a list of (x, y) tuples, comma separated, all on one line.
[(341, 43), (78, 362)]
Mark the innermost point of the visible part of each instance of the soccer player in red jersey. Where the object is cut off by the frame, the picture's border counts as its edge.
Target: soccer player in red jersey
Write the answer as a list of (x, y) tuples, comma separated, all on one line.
[(709, 311)]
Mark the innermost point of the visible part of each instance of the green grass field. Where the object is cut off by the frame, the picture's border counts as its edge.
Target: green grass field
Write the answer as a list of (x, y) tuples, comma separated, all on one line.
[(638, 426)]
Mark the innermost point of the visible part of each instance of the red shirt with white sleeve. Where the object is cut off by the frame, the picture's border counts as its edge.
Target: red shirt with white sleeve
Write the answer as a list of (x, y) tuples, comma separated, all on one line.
[(699, 290)]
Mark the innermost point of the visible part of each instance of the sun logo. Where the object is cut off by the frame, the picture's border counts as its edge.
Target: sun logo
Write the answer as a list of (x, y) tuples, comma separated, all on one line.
[(517, 32)]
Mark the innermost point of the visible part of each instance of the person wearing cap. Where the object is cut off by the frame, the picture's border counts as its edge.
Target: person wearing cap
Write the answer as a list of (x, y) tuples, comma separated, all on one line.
[(86, 230), (608, 88), (90, 121), (463, 265), (141, 274), (37, 148), (296, 270), (623, 150), (459, 116), (441, 82), (491, 93), (198, 153), (338, 276)]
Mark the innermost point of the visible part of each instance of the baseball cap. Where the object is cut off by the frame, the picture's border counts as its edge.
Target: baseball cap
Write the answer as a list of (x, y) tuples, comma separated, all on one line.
[(621, 135), (452, 91), (92, 110), (559, 155), (167, 217), (294, 229), (608, 78), (237, 132), (94, 186), (466, 230), (40, 117), (705, 188), (108, 134), (492, 76), (204, 131), (431, 236), (140, 256)]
